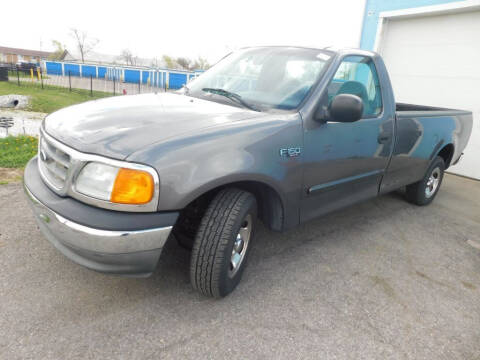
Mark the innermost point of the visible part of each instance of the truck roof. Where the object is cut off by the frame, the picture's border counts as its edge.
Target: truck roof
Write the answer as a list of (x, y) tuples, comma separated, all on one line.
[(350, 51), (332, 49)]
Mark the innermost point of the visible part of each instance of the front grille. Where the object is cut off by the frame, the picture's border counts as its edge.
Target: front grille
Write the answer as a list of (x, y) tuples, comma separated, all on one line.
[(54, 164)]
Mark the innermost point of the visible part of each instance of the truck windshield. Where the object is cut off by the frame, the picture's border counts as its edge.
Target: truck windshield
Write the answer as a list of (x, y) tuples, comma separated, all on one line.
[(262, 78)]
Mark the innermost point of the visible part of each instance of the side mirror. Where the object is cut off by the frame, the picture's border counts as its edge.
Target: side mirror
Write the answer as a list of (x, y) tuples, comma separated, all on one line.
[(345, 108)]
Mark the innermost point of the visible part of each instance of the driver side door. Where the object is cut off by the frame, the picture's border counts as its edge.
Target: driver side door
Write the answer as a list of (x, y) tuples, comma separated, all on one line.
[(344, 162)]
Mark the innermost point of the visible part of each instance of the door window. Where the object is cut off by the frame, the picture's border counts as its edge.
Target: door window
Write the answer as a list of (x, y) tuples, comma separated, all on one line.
[(358, 76)]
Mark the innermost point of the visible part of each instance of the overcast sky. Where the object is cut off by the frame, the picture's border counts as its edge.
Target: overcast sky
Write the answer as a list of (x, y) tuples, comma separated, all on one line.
[(184, 28)]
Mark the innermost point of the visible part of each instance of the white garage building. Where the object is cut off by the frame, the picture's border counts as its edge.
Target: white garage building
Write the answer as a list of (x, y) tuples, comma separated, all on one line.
[(432, 51)]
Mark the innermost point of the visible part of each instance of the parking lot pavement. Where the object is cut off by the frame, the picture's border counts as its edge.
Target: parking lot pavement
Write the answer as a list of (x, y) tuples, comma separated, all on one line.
[(380, 280)]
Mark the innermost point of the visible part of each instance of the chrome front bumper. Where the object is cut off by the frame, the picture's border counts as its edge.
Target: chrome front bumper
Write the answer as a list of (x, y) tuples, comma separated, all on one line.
[(129, 253)]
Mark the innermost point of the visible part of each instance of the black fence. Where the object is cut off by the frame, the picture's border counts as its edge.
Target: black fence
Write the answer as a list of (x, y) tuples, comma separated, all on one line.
[(30, 75)]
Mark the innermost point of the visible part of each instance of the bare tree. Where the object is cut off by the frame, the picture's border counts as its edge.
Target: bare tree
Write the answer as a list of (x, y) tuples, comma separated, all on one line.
[(59, 52), (169, 61), (155, 63), (200, 64), (84, 43), (183, 62), (128, 57)]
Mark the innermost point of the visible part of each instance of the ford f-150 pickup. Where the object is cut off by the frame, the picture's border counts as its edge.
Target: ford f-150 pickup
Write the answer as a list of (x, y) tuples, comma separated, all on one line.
[(278, 134)]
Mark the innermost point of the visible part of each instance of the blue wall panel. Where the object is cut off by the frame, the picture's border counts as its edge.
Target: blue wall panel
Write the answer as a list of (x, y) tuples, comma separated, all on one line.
[(114, 73), (374, 7), (132, 76), (145, 76), (177, 80), (161, 79), (73, 69), (157, 78), (101, 72), (88, 70), (53, 68)]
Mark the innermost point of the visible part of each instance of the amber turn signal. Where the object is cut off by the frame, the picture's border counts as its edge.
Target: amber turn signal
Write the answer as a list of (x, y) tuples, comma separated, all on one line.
[(132, 187)]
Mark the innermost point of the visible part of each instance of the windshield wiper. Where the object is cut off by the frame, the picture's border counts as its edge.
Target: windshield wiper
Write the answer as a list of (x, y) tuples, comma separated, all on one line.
[(231, 96)]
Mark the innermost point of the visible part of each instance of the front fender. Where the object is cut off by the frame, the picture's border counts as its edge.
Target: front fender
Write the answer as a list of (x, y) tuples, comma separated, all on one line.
[(248, 150)]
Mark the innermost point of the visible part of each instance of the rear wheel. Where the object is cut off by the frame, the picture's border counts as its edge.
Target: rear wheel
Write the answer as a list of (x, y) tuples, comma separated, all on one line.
[(223, 242), (424, 191)]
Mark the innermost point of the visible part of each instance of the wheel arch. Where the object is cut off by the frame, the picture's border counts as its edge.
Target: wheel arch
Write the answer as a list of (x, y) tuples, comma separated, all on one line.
[(271, 206), (446, 153)]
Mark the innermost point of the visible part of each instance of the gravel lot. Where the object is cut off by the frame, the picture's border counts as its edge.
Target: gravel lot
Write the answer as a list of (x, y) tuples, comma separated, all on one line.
[(381, 280), (24, 122)]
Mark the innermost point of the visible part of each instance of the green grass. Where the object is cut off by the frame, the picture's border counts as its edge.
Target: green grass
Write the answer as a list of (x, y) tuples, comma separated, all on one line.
[(9, 181), (21, 74), (51, 98), (12, 75), (15, 151)]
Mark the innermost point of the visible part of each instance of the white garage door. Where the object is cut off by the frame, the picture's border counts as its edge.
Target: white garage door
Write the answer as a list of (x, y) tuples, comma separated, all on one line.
[(435, 60)]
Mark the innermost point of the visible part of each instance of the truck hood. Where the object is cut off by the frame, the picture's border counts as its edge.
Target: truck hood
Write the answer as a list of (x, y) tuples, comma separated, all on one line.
[(118, 126)]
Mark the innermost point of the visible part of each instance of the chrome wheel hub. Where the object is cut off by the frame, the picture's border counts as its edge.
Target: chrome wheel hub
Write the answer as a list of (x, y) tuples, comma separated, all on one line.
[(240, 245), (432, 183)]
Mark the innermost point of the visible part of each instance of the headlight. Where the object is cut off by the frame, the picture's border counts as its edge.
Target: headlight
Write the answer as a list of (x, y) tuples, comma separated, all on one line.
[(115, 184), (96, 180)]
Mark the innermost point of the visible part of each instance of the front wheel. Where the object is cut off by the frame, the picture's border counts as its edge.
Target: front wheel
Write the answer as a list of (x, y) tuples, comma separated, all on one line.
[(424, 191), (222, 242)]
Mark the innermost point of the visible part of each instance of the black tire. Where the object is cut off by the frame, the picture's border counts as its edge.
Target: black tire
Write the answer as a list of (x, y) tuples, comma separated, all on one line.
[(211, 269), (417, 193)]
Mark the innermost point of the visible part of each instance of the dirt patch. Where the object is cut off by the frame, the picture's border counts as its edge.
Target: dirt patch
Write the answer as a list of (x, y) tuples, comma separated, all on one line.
[(469, 285), (10, 175), (441, 283)]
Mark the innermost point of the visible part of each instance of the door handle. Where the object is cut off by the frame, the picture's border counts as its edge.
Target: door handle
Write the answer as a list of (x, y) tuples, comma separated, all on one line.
[(383, 138)]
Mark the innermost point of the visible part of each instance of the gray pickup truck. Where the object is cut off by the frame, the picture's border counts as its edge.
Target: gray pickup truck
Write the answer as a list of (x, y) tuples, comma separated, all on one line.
[(276, 134)]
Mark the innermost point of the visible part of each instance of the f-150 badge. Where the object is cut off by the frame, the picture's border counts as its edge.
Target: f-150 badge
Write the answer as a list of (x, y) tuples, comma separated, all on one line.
[(290, 152)]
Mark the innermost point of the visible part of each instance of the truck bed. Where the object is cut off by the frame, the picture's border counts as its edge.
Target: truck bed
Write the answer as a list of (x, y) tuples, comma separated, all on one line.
[(441, 125)]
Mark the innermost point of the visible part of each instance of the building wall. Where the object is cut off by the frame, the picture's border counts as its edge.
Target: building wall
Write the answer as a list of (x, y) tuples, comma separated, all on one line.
[(15, 58), (12, 58), (172, 79), (374, 7)]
